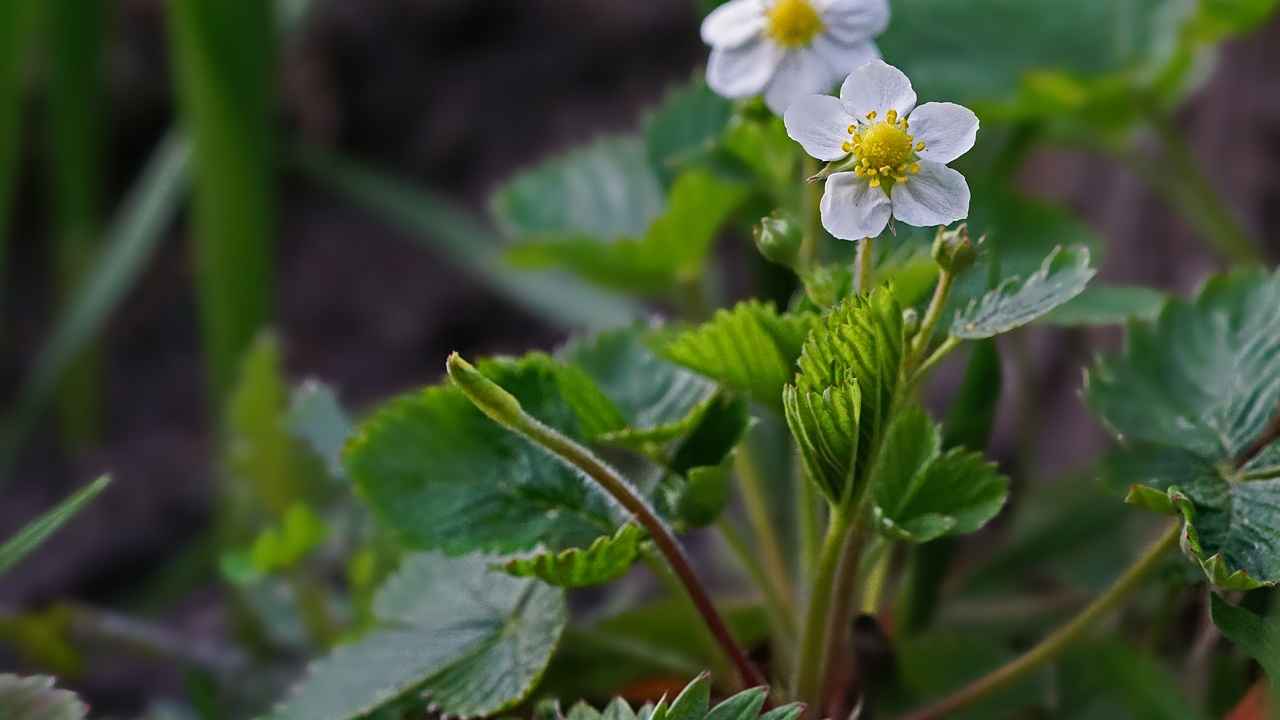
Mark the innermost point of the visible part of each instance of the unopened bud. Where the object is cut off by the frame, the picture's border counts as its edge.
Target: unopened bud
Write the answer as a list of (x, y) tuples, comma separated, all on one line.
[(910, 322), (778, 237), (953, 250)]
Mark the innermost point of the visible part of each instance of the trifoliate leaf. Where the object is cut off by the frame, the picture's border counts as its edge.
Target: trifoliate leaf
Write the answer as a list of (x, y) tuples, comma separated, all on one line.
[(922, 494), (1107, 305), (443, 476), (606, 189), (34, 534), (1193, 394), (1259, 637), (642, 398), (843, 396), (606, 559), (685, 127), (671, 251), (750, 348), (318, 418), (36, 698), (1063, 275), (474, 641)]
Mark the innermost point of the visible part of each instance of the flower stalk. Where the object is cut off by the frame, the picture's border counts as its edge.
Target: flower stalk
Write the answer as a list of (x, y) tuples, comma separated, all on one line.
[(503, 408)]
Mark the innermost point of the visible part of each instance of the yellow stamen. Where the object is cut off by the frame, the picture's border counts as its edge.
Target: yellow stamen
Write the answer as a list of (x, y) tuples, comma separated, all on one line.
[(884, 152), (793, 23)]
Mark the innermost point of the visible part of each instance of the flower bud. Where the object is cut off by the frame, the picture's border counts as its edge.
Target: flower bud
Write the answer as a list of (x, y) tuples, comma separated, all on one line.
[(953, 250), (778, 238), (910, 322)]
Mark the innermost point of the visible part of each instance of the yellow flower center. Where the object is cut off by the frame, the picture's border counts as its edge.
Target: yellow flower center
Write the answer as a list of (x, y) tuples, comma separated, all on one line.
[(793, 23), (884, 150)]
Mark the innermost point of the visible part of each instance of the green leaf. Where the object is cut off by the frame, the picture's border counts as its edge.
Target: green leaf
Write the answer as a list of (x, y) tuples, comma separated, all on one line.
[(1193, 391), (605, 189), (1116, 673), (1259, 637), (33, 535), (922, 494), (473, 641), (468, 243), (262, 456), (317, 417), (1063, 275), (843, 397), (443, 476), (1107, 305), (36, 698), (605, 560), (694, 703), (722, 424), (750, 348), (671, 251), (642, 398), (279, 547), (704, 496), (685, 128)]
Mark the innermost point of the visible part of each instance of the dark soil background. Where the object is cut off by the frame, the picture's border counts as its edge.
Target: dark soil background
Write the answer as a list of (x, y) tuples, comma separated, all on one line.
[(454, 95)]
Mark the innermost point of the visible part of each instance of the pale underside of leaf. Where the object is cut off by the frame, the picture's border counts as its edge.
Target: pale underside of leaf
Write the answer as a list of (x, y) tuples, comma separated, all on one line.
[(1064, 274)]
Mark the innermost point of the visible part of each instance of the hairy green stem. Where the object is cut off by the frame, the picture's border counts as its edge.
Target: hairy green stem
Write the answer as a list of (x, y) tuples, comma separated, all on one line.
[(880, 557), (838, 623), (503, 408), (756, 503), (862, 266), (951, 343), (920, 345), (811, 664), (808, 520), (1053, 645), (812, 218)]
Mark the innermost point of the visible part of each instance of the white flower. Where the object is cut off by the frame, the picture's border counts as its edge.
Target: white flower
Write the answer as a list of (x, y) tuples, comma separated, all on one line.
[(895, 156), (789, 48)]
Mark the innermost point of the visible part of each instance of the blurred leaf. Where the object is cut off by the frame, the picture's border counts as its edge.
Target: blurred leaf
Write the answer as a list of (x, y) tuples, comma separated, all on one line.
[(18, 24), (1016, 302), (443, 476), (606, 559), (718, 430), (704, 496), (750, 348), (318, 418), (657, 639), (1107, 305), (472, 640), (35, 698), (1259, 637), (922, 494), (1119, 674), (224, 56), (1202, 382), (693, 703), (279, 547), (131, 239), (671, 251), (762, 145), (841, 404), (970, 52), (262, 458), (646, 398), (33, 535), (936, 663), (605, 189), (466, 242), (685, 128)]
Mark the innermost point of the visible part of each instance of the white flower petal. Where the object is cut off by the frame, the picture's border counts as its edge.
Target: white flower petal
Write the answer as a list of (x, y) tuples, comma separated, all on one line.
[(802, 72), (734, 23), (855, 21), (946, 129), (842, 57), (820, 124), (877, 86), (937, 195), (743, 71), (852, 209)]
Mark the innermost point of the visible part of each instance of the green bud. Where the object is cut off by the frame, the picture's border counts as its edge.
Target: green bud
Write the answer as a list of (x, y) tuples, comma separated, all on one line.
[(910, 322), (501, 406), (778, 238), (953, 250)]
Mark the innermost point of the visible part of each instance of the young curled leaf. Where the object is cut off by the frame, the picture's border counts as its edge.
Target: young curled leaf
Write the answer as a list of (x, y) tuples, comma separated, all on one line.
[(607, 558)]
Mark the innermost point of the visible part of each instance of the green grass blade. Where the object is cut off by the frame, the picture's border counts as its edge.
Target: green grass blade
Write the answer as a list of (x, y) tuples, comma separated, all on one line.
[(131, 240), (31, 536), (467, 242), (76, 49), (224, 60), (18, 22)]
